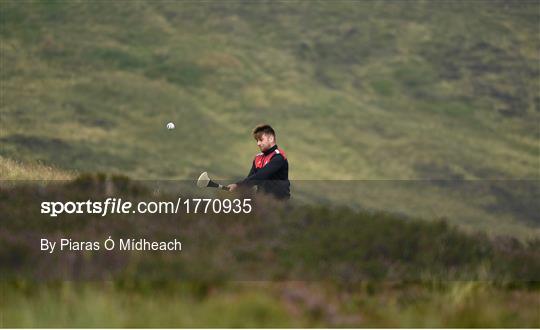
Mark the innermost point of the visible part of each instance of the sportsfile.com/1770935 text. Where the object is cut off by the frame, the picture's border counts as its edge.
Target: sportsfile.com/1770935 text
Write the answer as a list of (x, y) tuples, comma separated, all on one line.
[(113, 205)]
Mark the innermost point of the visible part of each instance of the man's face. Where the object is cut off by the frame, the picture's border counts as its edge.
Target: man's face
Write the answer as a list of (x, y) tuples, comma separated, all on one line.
[(265, 142)]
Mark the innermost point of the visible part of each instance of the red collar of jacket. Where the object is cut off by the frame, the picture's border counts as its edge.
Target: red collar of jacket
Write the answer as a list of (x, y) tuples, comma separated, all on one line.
[(261, 159)]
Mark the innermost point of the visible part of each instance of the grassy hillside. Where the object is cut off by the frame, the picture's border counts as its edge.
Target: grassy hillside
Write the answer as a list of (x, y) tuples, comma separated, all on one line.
[(355, 90), (457, 304), (13, 170)]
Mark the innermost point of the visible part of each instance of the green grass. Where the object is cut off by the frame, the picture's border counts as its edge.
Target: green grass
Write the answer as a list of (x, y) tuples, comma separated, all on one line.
[(14, 171), (106, 305), (285, 304)]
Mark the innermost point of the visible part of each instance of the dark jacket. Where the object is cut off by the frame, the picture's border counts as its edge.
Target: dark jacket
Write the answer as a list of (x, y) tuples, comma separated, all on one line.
[(272, 178)]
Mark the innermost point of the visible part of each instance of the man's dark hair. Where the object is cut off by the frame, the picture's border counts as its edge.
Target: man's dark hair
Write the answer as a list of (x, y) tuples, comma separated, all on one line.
[(259, 130)]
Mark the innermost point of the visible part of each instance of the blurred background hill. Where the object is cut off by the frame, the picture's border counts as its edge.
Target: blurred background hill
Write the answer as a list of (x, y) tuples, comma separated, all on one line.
[(392, 90), (356, 91)]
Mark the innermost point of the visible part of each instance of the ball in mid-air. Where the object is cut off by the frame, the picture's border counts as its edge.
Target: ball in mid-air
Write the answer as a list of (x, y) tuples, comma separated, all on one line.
[(170, 126)]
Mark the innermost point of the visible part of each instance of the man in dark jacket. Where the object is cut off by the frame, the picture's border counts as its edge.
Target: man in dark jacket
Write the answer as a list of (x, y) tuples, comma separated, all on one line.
[(270, 168)]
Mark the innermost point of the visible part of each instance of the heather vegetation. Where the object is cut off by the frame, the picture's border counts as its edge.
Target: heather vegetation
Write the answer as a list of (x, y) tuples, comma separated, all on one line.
[(329, 266)]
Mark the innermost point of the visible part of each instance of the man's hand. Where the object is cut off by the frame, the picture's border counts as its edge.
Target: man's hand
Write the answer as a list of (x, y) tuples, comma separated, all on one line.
[(232, 187)]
